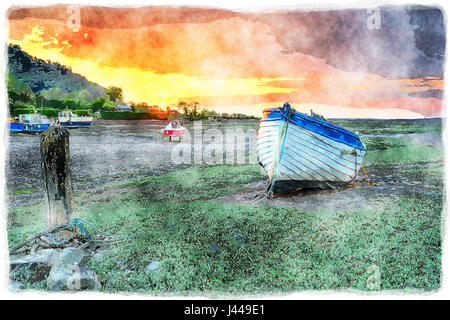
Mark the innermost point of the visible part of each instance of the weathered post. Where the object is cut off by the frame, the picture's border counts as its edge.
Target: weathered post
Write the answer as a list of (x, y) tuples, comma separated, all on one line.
[(56, 174)]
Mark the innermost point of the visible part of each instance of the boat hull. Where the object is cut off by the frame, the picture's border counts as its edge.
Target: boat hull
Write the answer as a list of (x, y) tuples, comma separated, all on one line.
[(24, 128), (172, 132), (307, 153), (75, 124)]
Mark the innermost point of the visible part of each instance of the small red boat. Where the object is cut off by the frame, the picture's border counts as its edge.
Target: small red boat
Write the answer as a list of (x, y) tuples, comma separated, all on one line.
[(173, 128)]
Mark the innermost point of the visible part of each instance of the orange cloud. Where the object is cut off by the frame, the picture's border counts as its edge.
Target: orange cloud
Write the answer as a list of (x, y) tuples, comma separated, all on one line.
[(222, 59)]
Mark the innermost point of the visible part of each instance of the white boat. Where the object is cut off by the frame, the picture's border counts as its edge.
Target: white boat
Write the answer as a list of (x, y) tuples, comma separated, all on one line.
[(301, 151), (173, 129), (69, 120)]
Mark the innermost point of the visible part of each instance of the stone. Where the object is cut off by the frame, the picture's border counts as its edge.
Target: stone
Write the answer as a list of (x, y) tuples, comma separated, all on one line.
[(35, 267), (72, 272), (16, 286), (153, 266), (214, 248), (243, 239), (432, 194)]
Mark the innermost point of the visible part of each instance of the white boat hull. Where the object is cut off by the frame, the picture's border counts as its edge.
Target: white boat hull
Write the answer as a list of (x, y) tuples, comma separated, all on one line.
[(309, 160)]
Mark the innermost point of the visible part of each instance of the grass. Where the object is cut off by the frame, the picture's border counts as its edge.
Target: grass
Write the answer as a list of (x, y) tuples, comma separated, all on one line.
[(208, 246), (22, 191), (287, 249), (25, 221), (198, 183), (396, 151), (388, 126), (262, 249)]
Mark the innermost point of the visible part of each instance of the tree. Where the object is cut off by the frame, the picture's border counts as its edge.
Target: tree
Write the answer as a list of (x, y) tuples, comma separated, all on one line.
[(54, 93), (192, 111), (98, 104), (85, 95), (83, 113), (20, 95), (21, 107), (114, 93), (39, 99), (71, 103), (183, 106), (53, 103), (141, 107), (101, 103)]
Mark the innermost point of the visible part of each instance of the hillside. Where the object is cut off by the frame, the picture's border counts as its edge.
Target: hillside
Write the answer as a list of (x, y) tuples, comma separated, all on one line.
[(40, 75)]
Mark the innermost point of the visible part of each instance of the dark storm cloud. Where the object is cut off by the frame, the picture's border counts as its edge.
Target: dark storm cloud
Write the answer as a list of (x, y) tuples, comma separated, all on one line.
[(433, 93), (409, 44)]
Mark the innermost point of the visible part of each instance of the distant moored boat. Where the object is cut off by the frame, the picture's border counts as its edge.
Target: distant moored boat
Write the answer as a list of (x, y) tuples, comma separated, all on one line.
[(173, 129), (69, 120), (302, 151), (29, 123)]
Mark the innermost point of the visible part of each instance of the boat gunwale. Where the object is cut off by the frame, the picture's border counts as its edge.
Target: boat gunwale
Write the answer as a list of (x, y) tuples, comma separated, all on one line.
[(307, 118)]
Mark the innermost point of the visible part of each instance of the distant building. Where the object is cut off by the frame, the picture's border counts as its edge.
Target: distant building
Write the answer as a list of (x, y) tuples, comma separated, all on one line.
[(124, 108)]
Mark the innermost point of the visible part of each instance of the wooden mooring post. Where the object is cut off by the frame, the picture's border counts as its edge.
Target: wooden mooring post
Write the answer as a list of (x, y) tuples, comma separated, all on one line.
[(56, 175)]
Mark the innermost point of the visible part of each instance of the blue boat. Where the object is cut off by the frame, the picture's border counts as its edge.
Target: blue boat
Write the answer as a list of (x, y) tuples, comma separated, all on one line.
[(302, 151), (16, 127), (30, 123)]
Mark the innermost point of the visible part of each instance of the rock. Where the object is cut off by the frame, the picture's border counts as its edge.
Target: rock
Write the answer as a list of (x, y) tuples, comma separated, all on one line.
[(34, 267), (153, 266), (243, 239), (71, 272), (214, 248), (432, 194), (16, 286)]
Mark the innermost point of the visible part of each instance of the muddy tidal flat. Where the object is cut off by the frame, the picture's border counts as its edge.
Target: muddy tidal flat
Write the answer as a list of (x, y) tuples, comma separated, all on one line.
[(218, 238)]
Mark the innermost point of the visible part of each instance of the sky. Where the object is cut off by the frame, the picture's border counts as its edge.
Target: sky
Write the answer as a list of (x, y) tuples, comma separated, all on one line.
[(353, 63)]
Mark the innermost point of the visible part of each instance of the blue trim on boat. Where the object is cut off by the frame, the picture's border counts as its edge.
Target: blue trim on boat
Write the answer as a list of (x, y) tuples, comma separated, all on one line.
[(16, 127), (24, 127), (76, 124), (314, 125)]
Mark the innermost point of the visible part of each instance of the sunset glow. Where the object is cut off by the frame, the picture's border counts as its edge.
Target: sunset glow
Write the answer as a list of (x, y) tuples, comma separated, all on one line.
[(223, 63)]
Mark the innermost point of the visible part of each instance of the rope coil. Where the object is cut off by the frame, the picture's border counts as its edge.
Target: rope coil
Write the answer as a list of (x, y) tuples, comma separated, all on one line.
[(74, 224)]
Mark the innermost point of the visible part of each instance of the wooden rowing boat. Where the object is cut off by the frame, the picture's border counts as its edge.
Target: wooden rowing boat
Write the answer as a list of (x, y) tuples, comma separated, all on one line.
[(301, 151)]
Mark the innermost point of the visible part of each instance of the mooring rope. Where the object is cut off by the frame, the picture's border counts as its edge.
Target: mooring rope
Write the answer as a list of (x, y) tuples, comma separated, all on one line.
[(75, 223), (38, 235), (79, 222), (282, 136), (354, 186)]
